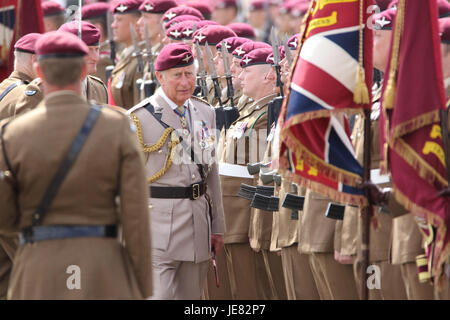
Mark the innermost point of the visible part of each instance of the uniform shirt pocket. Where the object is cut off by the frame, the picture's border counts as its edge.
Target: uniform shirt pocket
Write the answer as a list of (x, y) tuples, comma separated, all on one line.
[(161, 215)]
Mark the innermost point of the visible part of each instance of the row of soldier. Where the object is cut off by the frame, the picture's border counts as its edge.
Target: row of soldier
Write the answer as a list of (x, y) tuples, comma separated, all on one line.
[(280, 241)]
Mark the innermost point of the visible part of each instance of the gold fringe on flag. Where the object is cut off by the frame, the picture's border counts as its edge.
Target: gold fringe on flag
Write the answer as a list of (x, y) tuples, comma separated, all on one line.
[(361, 94), (390, 91)]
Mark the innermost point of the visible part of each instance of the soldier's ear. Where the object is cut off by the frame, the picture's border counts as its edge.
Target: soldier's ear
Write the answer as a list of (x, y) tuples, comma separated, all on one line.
[(37, 70), (84, 72), (159, 76)]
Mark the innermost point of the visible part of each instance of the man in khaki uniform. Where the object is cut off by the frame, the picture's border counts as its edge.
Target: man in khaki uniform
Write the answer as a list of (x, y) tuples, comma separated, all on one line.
[(10, 88), (14, 85), (187, 212), (96, 14), (69, 237), (122, 84), (298, 278), (93, 87), (261, 221)]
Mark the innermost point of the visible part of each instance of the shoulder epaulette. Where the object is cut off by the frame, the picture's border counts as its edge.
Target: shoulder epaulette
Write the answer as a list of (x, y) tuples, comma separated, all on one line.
[(201, 100), (141, 104)]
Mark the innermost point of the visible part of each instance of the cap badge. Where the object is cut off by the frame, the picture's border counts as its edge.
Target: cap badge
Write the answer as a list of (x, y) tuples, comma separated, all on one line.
[(200, 37), (187, 32), (187, 58), (171, 15), (175, 33), (247, 60), (149, 7), (122, 8), (240, 52)]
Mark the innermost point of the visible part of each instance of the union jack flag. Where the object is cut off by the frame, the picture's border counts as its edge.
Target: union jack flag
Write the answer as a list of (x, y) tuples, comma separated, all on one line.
[(315, 148)]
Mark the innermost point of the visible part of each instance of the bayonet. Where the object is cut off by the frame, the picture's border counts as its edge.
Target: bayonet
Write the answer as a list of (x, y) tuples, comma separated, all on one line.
[(227, 71), (112, 44), (213, 74), (201, 71), (149, 54), (231, 112), (137, 52), (276, 59)]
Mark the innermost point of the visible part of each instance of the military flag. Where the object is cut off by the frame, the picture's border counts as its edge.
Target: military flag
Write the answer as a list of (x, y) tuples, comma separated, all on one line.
[(410, 132), (17, 18), (330, 78)]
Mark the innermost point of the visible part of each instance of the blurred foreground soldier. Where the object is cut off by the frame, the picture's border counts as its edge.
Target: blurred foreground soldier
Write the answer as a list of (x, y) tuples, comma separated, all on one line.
[(68, 219), (176, 132), (96, 14), (12, 87), (122, 84), (93, 87), (54, 15), (225, 12)]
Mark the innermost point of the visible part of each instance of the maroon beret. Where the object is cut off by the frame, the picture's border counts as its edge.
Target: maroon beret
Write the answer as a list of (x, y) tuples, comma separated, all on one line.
[(179, 19), (299, 9), (50, 8), (27, 43), (444, 8), (203, 7), (175, 32), (242, 29), (89, 33), (257, 56), (60, 44), (180, 11), (270, 59), (212, 34), (157, 6), (292, 42), (245, 48), (444, 30), (221, 4), (385, 19), (204, 23), (125, 6), (187, 29), (174, 55), (94, 10), (232, 43), (256, 5)]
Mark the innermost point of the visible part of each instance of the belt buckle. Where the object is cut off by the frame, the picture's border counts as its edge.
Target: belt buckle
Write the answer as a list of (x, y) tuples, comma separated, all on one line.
[(195, 191)]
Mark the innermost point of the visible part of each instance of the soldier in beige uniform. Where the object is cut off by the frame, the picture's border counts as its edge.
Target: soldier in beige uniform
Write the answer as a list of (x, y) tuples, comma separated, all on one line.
[(53, 14), (122, 84), (92, 87), (298, 278), (187, 212), (10, 88), (69, 219), (96, 14)]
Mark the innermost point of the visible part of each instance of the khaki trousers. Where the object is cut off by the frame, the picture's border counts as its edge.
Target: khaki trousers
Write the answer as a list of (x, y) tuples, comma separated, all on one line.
[(177, 280), (274, 274), (334, 281), (299, 280), (246, 272), (415, 290), (391, 281)]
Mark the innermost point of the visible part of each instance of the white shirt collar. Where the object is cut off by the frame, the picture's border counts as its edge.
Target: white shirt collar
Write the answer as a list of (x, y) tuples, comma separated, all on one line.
[(172, 104)]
